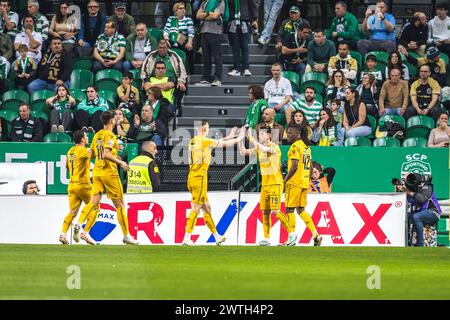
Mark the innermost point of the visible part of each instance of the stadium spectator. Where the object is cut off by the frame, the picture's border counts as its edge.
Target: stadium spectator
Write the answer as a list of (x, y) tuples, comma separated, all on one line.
[(394, 94), (139, 45), (395, 61), (368, 93), (89, 111), (32, 39), (424, 95), (4, 134), (122, 125), (295, 49), (30, 187), (25, 68), (355, 121), (440, 136), (381, 28), (439, 29), (211, 30), (308, 104), (243, 14), (62, 29), (327, 132), (160, 105), (9, 20), (271, 10), (26, 128), (61, 106), (321, 179), (124, 22), (163, 82), (4, 70), (371, 67), (6, 47), (268, 121), (319, 52), (109, 50), (434, 61), (344, 26), (414, 34), (336, 86), (41, 21), (298, 118), (54, 69), (128, 95), (179, 32), (278, 90), (344, 62), (334, 105), (144, 176), (92, 25), (174, 65), (146, 128), (290, 26), (257, 106)]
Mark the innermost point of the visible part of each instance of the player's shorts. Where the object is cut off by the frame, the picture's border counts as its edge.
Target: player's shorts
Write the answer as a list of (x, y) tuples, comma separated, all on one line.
[(270, 198), (295, 196), (111, 185), (78, 192), (198, 187)]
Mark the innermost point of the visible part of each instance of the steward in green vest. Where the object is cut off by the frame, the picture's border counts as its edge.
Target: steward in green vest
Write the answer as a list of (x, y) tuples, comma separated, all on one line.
[(143, 176)]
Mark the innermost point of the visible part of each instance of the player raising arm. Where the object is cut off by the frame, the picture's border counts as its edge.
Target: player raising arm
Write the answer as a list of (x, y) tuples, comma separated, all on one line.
[(269, 157)]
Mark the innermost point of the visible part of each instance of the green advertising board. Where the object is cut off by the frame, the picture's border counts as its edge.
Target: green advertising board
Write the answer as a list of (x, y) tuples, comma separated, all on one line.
[(52, 153), (369, 169)]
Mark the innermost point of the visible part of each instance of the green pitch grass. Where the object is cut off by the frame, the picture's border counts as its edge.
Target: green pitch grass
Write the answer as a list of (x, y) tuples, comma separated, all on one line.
[(169, 272)]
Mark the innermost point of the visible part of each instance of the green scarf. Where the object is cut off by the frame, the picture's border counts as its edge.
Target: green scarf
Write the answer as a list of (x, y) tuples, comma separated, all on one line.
[(211, 5), (156, 110), (27, 134), (173, 35)]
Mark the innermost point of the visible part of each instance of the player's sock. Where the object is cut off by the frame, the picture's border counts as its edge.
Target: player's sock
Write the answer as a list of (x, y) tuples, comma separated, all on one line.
[(67, 222), (91, 218), (85, 212), (217, 236), (291, 219), (187, 237), (209, 222), (309, 223), (267, 223), (190, 223), (123, 221), (284, 221)]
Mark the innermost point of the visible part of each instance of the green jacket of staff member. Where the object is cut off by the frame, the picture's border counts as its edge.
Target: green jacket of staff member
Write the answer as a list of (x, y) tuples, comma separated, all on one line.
[(144, 176)]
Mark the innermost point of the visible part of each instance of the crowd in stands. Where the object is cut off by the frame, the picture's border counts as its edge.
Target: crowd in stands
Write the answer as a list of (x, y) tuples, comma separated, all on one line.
[(338, 82)]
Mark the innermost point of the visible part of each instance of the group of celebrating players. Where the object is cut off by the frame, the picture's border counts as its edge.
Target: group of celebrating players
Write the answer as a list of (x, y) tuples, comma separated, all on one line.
[(105, 178)]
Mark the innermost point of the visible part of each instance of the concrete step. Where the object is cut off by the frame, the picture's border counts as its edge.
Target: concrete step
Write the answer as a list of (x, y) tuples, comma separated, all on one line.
[(253, 48), (214, 111), (256, 69), (231, 100), (253, 59), (223, 122), (226, 79), (225, 90)]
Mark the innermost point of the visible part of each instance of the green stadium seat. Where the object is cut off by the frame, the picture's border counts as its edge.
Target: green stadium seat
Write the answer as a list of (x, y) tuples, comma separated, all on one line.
[(415, 142), (444, 57), (373, 126), (280, 118), (419, 126), (314, 79), (182, 54), (38, 99), (386, 142), (357, 142), (356, 55), (81, 79), (396, 118), (39, 114), (57, 137), (412, 69), (90, 136), (156, 33), (13, 98), (109, 96), (83, 63), (137, 81), (294, 78), (78, 95), (381, 56), (8, 115), (108, 79)]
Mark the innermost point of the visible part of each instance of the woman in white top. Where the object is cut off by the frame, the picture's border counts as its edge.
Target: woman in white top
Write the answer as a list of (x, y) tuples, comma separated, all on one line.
[(60, 27), (440, 136)]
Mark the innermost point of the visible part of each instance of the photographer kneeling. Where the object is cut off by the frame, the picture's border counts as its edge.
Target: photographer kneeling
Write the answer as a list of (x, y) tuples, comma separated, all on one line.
[(424, 205)]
